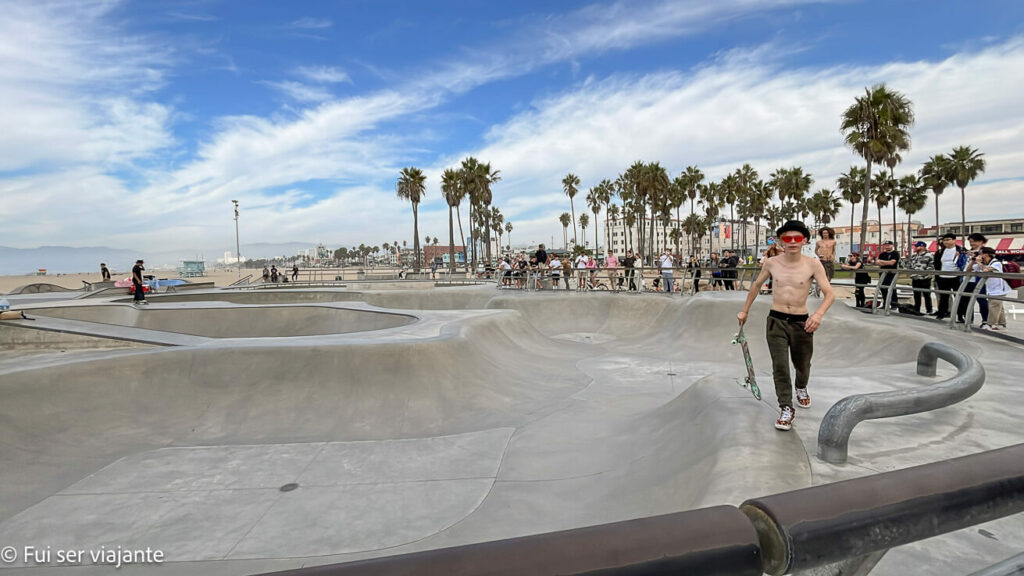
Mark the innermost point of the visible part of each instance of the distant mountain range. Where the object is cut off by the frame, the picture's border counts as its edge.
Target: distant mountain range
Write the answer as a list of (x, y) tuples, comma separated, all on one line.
[(70, 260)]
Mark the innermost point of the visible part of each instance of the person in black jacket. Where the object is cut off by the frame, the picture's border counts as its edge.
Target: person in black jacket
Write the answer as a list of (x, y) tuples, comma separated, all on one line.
[(860, 278), (948, 258), (888, 260)]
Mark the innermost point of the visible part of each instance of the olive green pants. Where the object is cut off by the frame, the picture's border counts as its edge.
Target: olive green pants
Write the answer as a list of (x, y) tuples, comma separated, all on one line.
[(787, 339)]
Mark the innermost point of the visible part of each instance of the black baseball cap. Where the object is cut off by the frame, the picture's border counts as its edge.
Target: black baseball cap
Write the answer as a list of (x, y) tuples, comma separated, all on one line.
[(887, 242), (793, 226)]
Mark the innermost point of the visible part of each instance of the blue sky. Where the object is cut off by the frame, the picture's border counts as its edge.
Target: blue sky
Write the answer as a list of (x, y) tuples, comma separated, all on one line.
[(136, 123)]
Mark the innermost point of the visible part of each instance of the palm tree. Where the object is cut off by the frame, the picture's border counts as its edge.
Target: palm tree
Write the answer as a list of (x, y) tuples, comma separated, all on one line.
[(565, 219), (934, 177), (584, 220), (850, 186), (497, 224), (876, 126), (884, 192), (411, 186), (594, 203), (655, 185), (691, 225), (612, 214), (965, 164), (570, 185), (451, 189), (913, 197), (710, 199), (508, 228), (745, 178), (729, 196)]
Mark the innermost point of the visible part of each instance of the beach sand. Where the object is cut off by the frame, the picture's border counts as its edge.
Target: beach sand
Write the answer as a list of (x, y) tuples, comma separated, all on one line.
[(74, 281)]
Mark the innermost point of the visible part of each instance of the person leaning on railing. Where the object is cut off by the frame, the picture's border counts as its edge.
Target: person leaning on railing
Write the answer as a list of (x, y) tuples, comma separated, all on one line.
[(986, 261), (922, 260)]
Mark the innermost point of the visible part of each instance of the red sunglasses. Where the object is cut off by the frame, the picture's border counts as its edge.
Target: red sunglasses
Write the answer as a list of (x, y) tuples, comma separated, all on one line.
[(792, 239)]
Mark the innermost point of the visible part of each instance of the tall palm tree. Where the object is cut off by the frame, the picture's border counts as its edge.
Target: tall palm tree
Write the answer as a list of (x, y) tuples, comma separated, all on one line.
[(411, 186), (468, 173), (565, 219), (711, 200), (934, 176), (884, 192), (584, 220), (570, 185), (965, 164), (607, 192), (913, 197), (451, 189), (497, 224), (508, 228), (612, 216), (728, 195), (655, 183), (851, 187), (876, 126), (745, 178), (594, 201)]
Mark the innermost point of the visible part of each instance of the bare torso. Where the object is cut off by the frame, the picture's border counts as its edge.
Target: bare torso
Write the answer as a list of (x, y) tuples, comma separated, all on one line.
[(791, 281), (826, 250)]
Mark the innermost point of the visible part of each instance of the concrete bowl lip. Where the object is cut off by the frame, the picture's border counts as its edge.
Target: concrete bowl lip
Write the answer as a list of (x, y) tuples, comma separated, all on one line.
[(414, 317)]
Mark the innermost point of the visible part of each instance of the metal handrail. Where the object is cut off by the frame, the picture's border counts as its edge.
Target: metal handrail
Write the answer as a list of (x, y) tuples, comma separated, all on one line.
[(777, 534), (843, 416)]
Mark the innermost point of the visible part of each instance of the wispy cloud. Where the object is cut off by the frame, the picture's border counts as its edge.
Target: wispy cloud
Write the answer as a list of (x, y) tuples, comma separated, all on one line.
[(301, 92), (310, 23), (323, 74)]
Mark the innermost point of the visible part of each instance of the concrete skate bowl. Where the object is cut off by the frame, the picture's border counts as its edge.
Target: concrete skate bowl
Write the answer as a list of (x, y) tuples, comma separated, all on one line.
[(235, 321), (484, 429), (39, 288), (455, 298), (702, 328)]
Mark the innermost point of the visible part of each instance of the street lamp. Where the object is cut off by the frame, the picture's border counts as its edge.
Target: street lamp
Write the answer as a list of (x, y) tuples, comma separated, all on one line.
[(238, 248)]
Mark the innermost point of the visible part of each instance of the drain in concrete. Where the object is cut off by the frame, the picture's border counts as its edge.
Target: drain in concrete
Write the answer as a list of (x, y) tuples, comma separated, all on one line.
[(288, 487)]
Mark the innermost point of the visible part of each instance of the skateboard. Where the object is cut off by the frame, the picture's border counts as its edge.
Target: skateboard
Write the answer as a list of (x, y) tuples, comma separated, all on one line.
[(749, 382)]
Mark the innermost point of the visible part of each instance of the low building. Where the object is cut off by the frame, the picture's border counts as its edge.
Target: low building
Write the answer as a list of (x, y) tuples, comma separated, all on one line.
[(1006, 236)]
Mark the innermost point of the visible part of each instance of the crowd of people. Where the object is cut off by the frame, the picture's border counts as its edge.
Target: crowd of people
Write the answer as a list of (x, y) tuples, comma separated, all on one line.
[(585, 272)]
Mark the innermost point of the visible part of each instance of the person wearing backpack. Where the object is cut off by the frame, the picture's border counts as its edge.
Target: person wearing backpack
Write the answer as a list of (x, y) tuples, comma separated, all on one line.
[(948, 258), (994, 286)]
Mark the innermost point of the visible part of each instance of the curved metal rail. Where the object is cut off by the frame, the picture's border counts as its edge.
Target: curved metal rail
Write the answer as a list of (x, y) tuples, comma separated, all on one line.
[(789, 532), (838, 424)]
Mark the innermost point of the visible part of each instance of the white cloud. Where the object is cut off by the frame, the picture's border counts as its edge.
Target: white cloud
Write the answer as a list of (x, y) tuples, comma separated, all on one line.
[(323, 74), (301, 92), (67, 96), (740, 110)]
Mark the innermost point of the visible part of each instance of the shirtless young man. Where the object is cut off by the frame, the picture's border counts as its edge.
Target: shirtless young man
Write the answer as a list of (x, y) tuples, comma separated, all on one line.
[(790, 330), (825, 249)]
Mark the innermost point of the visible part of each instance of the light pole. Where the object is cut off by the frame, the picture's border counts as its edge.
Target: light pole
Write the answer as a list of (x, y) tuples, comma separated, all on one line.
[(238, 247)]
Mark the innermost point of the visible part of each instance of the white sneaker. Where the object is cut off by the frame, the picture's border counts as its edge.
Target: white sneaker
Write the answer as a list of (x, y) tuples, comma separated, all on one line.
[(785, 421), (985, 326), (803, 399)]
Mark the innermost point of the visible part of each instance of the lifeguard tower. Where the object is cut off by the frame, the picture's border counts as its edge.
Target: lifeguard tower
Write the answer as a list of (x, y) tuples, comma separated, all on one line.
[(192, 269)]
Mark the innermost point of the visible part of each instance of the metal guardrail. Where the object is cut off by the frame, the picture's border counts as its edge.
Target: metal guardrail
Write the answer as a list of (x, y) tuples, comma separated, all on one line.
[(844, 415), (241, 281), (777, 534)]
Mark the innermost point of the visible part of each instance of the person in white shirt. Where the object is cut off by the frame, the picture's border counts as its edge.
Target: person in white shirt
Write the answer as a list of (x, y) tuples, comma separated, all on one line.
[(987, 262), (581, 274), (666, 269), (555, 265)]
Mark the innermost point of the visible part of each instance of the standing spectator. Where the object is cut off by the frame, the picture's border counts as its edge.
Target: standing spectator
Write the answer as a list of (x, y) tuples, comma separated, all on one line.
[(715, 264), (987, 262), (627, 264), (273, 273), (506, 272), (104, 272), (555, 264), (612, 264), (295, 273), (566, 271), (977, 242), (860, 279), (591, 271), (666, 269), (922, 260), (825, 249), (889, 259), (948, 258), (266, 274), (138, 290), (693, 268), (433, 269), (542, 259), (729, 265)]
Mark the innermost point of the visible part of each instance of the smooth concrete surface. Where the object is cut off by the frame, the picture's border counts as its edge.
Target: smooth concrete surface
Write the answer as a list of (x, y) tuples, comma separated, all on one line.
[(490, 414)]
